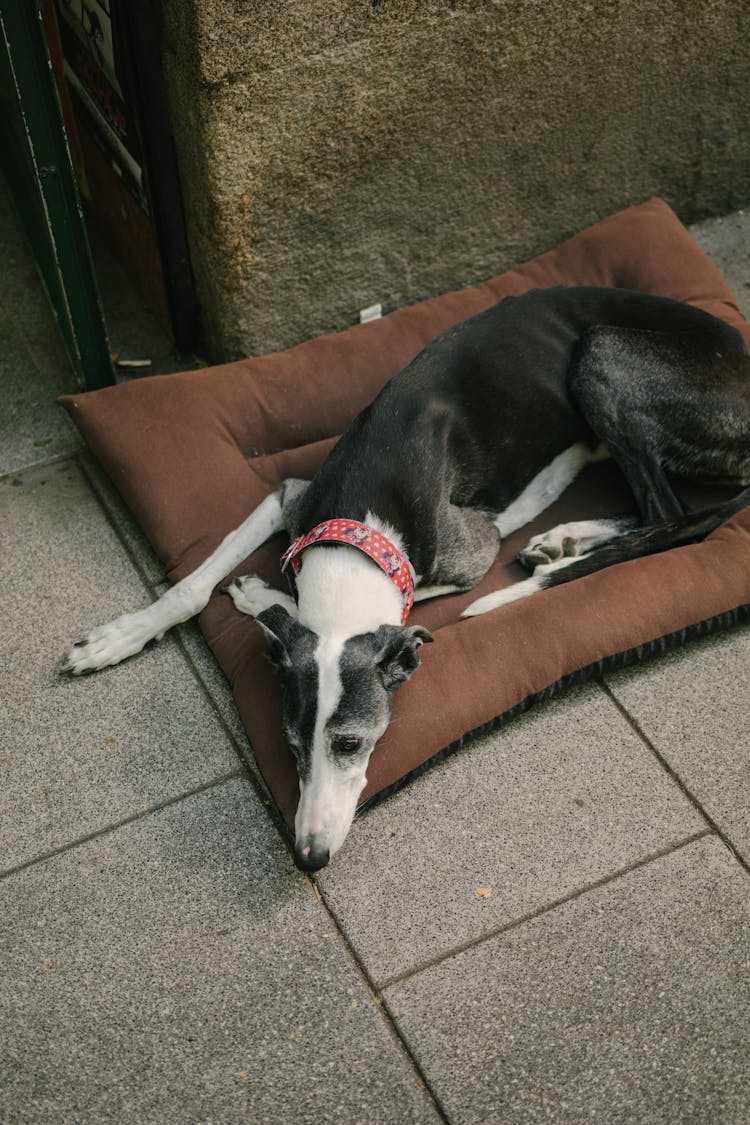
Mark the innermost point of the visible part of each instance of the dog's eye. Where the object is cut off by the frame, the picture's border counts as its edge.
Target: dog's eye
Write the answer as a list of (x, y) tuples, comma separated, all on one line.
[(342, 744)]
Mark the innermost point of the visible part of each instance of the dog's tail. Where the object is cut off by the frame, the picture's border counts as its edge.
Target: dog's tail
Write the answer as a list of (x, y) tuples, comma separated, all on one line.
[(690, 528)]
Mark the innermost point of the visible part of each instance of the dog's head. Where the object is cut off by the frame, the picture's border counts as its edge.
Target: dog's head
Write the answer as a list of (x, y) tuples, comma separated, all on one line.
[(336, 703)]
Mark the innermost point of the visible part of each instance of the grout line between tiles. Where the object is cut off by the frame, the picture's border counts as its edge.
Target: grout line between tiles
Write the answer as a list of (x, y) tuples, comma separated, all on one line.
[(380, 1001), (107, 829), (488, 935), (36, 466), (672, 773)]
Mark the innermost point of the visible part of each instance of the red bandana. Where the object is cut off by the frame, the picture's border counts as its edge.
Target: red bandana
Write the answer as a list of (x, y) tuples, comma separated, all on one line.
[(352, 534)]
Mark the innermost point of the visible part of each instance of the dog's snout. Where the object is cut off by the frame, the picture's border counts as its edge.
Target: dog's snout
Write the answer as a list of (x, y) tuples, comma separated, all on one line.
[(310, 856)]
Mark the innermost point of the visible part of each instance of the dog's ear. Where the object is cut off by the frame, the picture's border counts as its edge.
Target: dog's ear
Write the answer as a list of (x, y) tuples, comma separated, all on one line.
[(278, 628), (398, 655)]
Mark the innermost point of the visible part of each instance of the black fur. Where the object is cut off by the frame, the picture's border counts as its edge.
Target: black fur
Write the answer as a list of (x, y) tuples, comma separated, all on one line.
[(486, 406)]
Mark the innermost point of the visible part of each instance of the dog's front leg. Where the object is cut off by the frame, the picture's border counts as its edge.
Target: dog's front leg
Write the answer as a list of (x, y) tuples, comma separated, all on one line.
[(109, 644)]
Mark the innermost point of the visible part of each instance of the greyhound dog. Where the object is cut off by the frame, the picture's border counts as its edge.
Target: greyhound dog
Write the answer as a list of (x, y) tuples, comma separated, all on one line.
[(474, 438)]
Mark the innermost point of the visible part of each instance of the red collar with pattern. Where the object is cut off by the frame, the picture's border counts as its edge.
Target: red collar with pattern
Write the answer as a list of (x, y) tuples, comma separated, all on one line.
[(353, 534)]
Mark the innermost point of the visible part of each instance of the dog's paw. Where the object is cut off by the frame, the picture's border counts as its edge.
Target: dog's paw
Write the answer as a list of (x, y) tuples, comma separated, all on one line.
[(571, 540), (543, 549), (251, 594), (108, 644)]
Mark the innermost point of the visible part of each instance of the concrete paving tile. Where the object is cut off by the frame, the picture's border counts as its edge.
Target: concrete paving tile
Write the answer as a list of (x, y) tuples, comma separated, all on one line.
[(693, 706), (180, 969), (630, 1003), (80, 754), (559, 799)]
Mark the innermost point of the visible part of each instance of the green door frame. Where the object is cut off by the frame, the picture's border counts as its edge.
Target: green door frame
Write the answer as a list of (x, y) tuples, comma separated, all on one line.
[(35, 158)]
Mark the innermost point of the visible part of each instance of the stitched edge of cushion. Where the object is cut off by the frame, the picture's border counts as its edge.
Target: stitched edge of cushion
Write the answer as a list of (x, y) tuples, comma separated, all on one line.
[(660, 645)]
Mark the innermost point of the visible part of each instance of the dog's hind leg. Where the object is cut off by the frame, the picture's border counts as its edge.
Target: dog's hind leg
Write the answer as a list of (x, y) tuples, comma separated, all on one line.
[(570, 540), (109, 644), (547, 486), (666, 402), (621, 548)]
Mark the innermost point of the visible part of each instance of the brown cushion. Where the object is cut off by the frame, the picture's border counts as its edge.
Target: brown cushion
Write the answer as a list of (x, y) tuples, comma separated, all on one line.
[(193, 453)]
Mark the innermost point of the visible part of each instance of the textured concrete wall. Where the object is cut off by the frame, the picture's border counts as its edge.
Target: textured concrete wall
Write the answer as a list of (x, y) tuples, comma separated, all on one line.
[(335, 153)]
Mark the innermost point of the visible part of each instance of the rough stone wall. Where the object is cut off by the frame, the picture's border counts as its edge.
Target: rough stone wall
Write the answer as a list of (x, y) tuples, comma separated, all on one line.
[(336, 153)]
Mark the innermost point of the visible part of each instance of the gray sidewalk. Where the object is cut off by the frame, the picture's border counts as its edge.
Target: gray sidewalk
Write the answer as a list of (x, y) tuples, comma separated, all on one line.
[(552, 925)]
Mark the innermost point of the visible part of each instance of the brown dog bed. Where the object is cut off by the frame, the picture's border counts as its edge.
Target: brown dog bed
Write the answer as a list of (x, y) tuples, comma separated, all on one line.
[(193, 453)]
